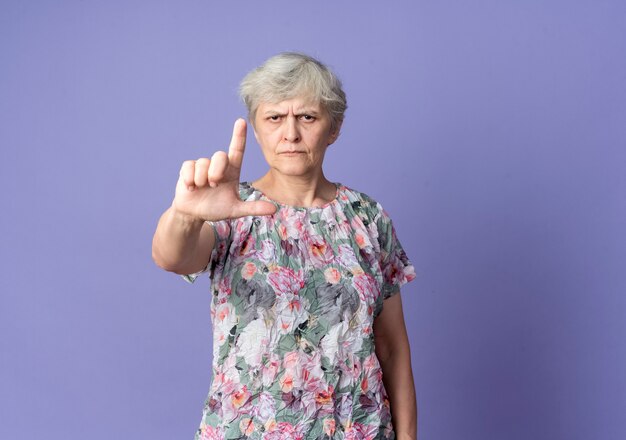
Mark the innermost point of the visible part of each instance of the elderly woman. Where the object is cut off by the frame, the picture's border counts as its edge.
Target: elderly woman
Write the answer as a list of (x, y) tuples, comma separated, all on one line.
[(309, 335)]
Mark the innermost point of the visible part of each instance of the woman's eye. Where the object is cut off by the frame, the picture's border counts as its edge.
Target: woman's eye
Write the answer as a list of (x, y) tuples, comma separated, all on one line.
[(308, 118), (274, 118)]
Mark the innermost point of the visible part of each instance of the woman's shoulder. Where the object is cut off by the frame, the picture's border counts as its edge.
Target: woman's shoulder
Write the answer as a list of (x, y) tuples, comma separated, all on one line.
[(359, 200)]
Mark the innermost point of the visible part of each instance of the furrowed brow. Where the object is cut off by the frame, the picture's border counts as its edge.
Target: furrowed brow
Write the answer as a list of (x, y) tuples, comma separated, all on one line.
[(307, 112), (272, 111)]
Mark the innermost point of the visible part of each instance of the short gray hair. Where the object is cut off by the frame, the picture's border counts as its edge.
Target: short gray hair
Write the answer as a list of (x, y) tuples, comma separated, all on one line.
[(290, 74)]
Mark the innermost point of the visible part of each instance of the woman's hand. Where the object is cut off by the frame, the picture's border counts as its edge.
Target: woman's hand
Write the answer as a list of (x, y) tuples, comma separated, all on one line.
[(208, 189)]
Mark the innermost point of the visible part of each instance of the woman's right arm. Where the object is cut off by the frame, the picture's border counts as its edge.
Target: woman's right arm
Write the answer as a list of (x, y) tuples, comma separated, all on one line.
[(182, 244)]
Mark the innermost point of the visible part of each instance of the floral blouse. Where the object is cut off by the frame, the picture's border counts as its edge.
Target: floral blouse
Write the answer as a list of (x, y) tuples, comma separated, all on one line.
[(295, 295)]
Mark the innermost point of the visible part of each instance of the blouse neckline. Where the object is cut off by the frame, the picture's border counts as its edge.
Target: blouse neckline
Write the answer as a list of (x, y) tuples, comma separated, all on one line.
[(263, 196)]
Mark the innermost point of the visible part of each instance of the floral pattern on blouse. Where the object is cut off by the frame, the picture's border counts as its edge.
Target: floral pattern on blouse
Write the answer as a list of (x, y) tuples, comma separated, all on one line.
[(295, 295)]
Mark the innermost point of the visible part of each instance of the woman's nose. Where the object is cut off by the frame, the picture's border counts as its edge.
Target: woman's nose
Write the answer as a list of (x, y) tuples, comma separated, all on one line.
[(291, 133)]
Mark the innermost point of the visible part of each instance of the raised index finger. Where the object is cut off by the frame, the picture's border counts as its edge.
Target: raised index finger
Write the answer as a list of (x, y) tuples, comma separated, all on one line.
[(237, 143)]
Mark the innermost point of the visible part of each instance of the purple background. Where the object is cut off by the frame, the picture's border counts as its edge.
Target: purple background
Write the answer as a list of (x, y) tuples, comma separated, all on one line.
[(494, 132)]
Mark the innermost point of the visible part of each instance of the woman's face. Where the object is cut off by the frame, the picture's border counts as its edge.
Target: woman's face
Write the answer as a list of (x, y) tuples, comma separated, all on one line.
[(293, 135)]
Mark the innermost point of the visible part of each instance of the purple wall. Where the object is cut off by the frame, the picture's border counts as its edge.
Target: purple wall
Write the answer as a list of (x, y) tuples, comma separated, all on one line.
[(493, 132)]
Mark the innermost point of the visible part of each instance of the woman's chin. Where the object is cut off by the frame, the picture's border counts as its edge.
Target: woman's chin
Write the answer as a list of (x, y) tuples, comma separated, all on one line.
[(295, 170)]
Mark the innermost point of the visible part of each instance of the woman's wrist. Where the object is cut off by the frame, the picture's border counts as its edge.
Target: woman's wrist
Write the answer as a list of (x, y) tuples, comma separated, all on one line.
[(185, 219)]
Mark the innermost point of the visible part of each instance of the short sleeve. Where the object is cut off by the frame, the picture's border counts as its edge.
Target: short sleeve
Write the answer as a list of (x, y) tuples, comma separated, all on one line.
[(396, 268), (221, 229)]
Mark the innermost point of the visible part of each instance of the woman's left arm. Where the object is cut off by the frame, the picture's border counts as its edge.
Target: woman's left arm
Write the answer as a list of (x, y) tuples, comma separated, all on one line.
[(394, 354)]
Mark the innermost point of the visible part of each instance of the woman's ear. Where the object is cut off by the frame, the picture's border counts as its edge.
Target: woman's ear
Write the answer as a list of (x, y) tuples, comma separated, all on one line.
[(251, 124), (334, 134)]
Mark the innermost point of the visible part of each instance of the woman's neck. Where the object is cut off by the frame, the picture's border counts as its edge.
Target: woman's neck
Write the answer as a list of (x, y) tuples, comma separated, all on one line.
[(297, 191)]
